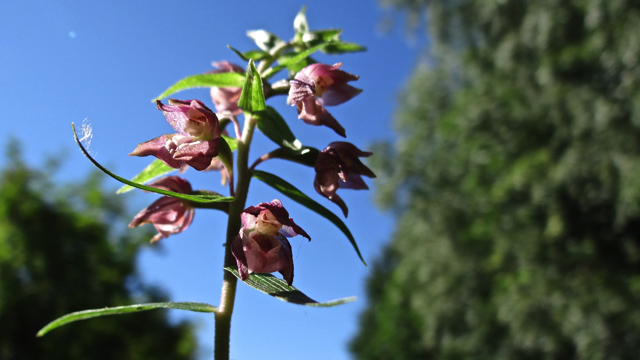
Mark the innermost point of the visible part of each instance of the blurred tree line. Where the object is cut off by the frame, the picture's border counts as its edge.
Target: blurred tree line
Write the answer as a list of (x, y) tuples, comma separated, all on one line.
[(60, 252), (516, 185)]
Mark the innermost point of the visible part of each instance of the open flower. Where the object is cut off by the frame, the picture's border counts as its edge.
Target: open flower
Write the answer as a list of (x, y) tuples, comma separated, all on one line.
[(197, 139), (226, 98), (338, 166), (320, 85), (168, 215), (261, 246)]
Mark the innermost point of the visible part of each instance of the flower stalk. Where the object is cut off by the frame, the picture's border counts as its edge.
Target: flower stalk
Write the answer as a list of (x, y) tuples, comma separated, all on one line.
[(229, 281)]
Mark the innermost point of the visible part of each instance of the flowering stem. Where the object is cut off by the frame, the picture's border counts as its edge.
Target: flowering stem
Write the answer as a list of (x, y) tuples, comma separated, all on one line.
[(229, 281)]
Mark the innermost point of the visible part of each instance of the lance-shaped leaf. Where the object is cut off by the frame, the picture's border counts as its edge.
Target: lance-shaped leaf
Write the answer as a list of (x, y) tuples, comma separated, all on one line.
[(88, 314), (256, 55), (207, 198), (264, 39), (298, 196), (316, 37), (231, 142), (306, 155), (275, 128), (342, 48), (223, 79), (156, 169), (252, 97), (278, 288), (225, 154), (290, 61)]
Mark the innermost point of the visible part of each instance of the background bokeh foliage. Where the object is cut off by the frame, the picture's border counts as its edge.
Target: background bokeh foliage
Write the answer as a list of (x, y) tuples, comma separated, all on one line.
[(59, 253), (515, 182)]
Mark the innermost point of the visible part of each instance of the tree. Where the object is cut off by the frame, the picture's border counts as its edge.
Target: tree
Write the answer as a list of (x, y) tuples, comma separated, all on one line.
[(59, 253), (516, 187)]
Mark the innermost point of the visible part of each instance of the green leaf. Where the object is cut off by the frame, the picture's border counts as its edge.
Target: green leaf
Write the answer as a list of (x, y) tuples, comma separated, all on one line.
[(226, 79), (252, 97), (342, 47), (156, 169), (290, 61), (232, 142), (225, 154), (207, 198), (325, 35), (264, 39), (305, 156), (278, 288), (88, 314), (296, 195), (275, 128), (256, 55)]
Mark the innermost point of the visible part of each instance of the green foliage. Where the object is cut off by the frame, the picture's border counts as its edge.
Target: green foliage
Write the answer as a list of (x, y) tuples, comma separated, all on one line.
[(252, 97), (279, 289), (226, 79), (276, 129), (118, 310), (515, 180), (154, 170), (58, 254)]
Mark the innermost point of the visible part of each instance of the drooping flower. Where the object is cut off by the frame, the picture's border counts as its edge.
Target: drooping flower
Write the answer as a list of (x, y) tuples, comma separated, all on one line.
[(320, 85), (261, 246), (168, 215), (197, 139), (226, 98), (338, 166)]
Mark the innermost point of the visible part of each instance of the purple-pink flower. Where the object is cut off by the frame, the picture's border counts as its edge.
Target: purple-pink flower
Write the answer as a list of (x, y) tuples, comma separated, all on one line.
[(320, 85), (197, 139), (261, 246), (226, 98), (338, 166), (168, 215)]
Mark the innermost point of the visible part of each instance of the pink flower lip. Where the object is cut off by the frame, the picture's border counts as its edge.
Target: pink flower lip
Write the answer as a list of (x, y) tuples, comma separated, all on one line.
[(262, 246), (338, 166), (168, 215), (196, 141), (317, 86)]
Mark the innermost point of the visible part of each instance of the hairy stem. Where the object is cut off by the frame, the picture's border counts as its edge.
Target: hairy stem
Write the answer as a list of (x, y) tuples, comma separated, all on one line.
[(229, 281)]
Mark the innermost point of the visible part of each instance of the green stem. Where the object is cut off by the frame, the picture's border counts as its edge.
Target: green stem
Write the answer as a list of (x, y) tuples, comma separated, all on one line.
[(275, 54), (229, 281)]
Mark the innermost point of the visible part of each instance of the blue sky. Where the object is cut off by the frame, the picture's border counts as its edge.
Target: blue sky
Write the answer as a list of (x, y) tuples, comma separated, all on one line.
[(66, 61)]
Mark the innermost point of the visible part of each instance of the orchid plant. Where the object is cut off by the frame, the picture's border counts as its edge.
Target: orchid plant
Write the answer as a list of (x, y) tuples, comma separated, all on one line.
[(257, 235)]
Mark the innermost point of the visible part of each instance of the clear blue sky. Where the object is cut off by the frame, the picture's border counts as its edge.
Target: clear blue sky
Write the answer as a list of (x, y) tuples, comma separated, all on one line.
[(64, 61)]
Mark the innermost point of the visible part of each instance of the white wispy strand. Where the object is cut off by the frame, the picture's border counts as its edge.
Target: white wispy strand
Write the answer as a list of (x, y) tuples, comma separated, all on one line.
[(87, 135)]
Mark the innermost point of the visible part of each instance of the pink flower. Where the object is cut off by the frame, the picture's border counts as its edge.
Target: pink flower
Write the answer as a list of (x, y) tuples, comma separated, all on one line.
[(197, 139), (261, 246), (317, 86), (338, 166), (168, 215), (226, 98)]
